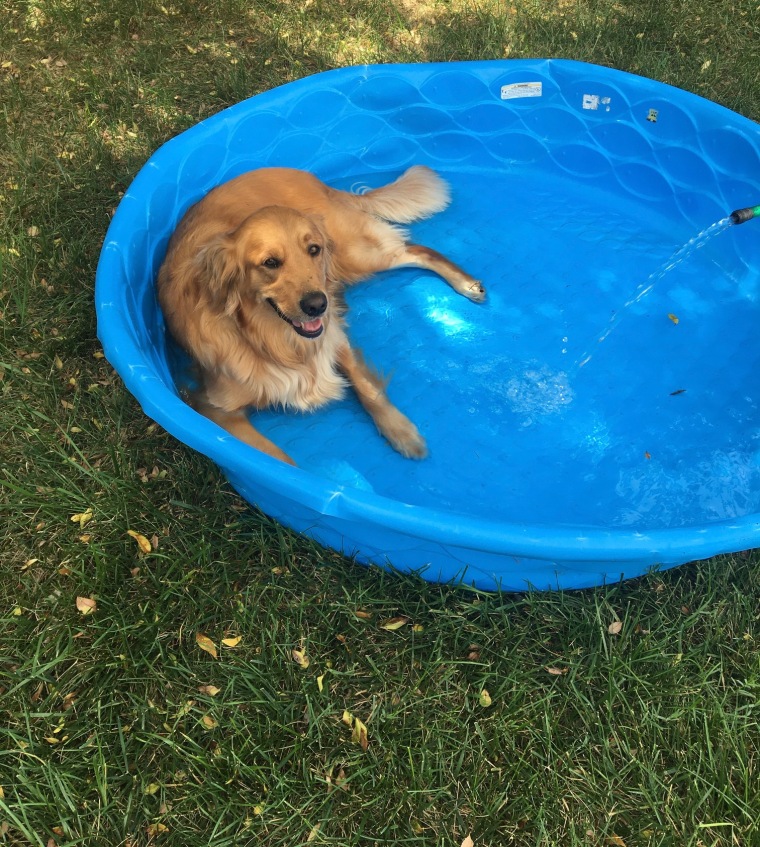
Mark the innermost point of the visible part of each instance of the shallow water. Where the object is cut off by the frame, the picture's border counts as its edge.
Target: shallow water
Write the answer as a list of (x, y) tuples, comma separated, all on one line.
[(660, 429)]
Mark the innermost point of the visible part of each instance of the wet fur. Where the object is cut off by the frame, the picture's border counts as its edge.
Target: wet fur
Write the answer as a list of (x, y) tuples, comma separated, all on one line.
[(244, 268)]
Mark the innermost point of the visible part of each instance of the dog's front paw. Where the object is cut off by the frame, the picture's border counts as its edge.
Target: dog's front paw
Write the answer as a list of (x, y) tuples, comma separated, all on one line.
[(403, 435), (473, 290)]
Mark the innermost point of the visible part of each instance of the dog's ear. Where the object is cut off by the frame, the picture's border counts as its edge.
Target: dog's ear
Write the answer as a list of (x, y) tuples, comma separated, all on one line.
[(222, 271), (318, 223)]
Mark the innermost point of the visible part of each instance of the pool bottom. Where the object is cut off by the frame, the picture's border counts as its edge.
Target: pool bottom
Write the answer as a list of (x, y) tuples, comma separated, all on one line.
[(653, 431)]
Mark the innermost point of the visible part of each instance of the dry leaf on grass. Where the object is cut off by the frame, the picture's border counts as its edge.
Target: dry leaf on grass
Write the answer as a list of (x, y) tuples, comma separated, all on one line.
[(300, 658), (485, 698), (392, 624), (615, 628), (205, 643), (232, 642), (468, 842), (142, 542), (86, 605)]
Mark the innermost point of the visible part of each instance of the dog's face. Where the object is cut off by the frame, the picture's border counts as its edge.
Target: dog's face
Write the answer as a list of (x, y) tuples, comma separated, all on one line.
[(278, 259)]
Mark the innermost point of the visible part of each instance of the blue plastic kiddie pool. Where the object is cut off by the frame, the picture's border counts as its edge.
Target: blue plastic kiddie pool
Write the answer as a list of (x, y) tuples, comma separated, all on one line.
[(596, 418)]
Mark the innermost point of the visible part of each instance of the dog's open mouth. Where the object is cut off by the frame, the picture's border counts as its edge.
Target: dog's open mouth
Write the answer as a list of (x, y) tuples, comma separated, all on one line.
[(308, 329)]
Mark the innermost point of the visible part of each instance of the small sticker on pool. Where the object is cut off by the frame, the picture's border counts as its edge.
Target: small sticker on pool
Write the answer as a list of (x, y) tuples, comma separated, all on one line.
[(521, 89)]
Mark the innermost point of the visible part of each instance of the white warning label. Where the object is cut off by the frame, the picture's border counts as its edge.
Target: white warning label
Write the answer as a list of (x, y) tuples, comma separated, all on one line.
[(521, 89)]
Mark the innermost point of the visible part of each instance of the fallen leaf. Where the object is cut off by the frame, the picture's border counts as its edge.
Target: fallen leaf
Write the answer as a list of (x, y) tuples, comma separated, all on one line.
[(647, 454), (300, 658), (360, 613), (392, 624), (82, 518), (673, 317), (468, 842), (615, 628), (320, 682), (313, 834), (142, 541), (359, 735), (485, 698), (154, 829), (557, 671), (209, 722), (86, 605), (232, 642), (614, 841), (68, 701), (210, 690), (205, 643), (347, 718), (152, 789)]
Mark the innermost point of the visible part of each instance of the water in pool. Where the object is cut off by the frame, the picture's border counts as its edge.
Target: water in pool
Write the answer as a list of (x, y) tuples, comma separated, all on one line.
[(655, 430)]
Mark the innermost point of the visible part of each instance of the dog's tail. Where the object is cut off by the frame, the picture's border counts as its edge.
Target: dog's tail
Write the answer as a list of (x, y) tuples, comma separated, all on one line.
[(416, 194)]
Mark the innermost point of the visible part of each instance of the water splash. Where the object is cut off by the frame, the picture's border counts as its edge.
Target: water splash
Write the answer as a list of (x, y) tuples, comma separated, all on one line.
[(680, 255)]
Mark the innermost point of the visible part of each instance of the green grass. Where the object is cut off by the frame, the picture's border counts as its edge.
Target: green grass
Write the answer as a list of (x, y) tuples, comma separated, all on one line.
[(110, 733)]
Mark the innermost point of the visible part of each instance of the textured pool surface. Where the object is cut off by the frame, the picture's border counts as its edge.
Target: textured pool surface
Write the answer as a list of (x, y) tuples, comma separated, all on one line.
[(556, 459)]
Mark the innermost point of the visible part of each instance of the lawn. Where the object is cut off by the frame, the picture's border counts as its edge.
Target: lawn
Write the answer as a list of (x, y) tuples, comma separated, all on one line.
[(178, 669)]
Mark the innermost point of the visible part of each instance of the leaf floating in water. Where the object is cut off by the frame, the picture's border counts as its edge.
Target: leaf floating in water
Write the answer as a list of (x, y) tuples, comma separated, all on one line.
[(677, 391), (673, 317), (647, 454)]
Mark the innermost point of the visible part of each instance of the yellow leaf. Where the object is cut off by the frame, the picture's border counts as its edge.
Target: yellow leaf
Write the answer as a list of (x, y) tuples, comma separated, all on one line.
[(205, 643), (320, 682), (313, 834), (209, 722), (258, 810), (142, 541), (86, 605), (418, 627), (615, 628), (300, 658), (673, 317), (210, 690), (394, 623), (154, 829), (17, 612), (152, 789), (485, 698), (347, 718), (359, 735), (232, 642), (83, 518)]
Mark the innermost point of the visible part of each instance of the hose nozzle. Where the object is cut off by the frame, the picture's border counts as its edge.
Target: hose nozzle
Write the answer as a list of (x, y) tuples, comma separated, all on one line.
[(740, 216)]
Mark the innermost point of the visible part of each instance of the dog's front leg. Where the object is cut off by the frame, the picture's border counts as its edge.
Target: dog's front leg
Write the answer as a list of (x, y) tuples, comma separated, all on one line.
[(393, 424), (236, 423)]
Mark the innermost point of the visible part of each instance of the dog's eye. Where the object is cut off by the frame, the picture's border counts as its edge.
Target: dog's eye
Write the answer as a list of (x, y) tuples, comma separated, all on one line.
[(271, 263), (314, 249)]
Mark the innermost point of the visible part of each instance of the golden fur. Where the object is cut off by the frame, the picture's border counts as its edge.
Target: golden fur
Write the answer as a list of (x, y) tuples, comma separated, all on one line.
[(251, 288)]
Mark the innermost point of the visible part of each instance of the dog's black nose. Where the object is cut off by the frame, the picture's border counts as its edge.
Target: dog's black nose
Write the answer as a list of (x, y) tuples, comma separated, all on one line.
[(313, 304)]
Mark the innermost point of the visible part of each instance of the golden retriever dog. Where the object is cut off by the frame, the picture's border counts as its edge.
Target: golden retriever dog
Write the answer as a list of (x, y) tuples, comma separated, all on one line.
[(251, 287)]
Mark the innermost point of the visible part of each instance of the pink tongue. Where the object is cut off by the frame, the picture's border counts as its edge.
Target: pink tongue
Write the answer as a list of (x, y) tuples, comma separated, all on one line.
[(312, 326)]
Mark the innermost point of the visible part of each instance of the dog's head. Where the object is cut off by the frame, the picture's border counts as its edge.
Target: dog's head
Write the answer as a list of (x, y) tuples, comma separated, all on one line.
[(279, 258)]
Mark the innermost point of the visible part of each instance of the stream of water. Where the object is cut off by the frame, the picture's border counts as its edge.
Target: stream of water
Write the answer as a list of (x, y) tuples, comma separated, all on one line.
[(684, 252)]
